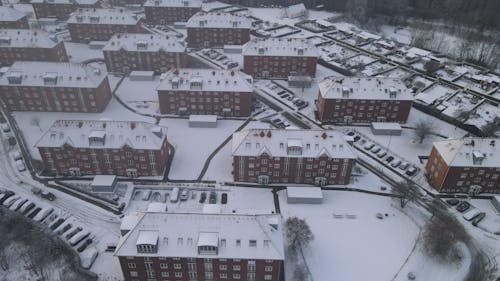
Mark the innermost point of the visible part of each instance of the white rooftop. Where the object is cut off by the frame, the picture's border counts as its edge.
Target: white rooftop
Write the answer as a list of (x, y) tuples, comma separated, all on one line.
[(53, 74), (137, 135), (296, 10), (304, 192), (77, 2), (173, 3), (218, 20), (386, 126), (103, 180), (157, 207), (10, 14), (138, 42), (364, 88), (202, 118), (180, 234), (276, 143), (103, 16), (280, 47), (191, 79), (27, 38), (470, 152)]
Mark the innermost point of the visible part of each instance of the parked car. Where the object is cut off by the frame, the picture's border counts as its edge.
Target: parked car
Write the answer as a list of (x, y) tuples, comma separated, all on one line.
[(471, 214), (463, 206), (203, 197), (85, 245), (79, 237), (351, 133), (6, 196), (381, 154), (404, 166), (478, 218), (395, 163), (368, 146), (389, 159), (184, 194), (45, 212), (73, 232), (212, 198), (20, 165), (453, 202), (357, 138), (5, 127), (7, 203), (48, 195), (224, 198), (411, 171), (18, 204), (28, 206), (33, 213), (375, 149)]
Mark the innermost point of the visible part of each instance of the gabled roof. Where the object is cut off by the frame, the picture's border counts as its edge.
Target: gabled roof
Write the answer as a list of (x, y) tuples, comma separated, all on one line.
[(180, 234), (218, 20), (377, 88), (34, 73), (10, 14), (103, 16), (297, 47), (174, 3), (69, 2), (141, 42), (312, 143), (470, 152), (27, 38), (117, 134)]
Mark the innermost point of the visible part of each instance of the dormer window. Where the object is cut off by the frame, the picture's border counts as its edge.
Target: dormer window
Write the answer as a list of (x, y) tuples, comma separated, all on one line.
[(294, 147), (15, 77), (141, 45), (50, 79), (94, 19), (208, 243), (147, 241), (97, 138), (300, 51), (5, 40), (196, 83), (261, 50), (252, 243)]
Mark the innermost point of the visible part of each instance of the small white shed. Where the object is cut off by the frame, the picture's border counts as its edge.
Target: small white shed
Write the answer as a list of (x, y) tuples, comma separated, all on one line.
[(103, 183), (304, 195), (386, 128), (202, 121)]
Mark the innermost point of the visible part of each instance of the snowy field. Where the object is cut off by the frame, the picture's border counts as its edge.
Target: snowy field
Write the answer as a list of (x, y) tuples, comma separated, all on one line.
[(194, 145), (343, 245)]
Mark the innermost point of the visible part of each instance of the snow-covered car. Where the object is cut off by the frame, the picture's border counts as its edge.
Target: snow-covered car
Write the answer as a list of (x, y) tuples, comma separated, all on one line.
[(20, 165), (79, 237), (16, 205), (45, 212), (368, 146), (5, 127), (7, 203)]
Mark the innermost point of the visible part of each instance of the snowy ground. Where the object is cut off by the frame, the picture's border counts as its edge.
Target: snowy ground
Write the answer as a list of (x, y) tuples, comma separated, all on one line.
[(194, 145), (356, 238)]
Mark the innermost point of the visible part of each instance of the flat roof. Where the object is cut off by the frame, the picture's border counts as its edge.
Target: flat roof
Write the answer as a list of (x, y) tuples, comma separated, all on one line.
[(10, 14), (103, 180), (203, 118), (218, 20), (27, 38), (386, 126), (139, 42), (304, 192), (119, 16), (296, 47), (174, 3)]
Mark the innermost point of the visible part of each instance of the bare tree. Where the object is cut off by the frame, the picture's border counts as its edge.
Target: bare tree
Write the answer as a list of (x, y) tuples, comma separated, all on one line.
[(300, 273), (407, 191), (491, 128), (423, 129), (298, 233)]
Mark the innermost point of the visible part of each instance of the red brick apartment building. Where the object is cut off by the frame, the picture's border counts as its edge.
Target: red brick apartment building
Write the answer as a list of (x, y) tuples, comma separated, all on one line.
[(201, 247), (147, 52), (278, 58), (60, 9), (87, 25), (170, 11), (127, 2), (363, 100), (216, 29), (52, 86), (122, 148), (291, 156), (29, 45), (205, 91), (455, 165), (13, 19)]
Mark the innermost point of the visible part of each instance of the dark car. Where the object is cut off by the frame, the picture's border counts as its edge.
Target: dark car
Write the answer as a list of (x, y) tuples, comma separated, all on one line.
[(73, 232), (48, 195), (411, 171), (357, 138), (224, 198), (351, 134), (453, 202), (203, 197), (8, 194), (213, 197), (463, 206), (478, 218), (85, 245), (389, 159)]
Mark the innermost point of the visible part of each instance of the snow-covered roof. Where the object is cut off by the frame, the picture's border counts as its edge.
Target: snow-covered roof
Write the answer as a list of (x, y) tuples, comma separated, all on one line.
[(280, 47), (218, 20), (10, 14), (291, 143), (173, 3), (53, 74), (364, 88), (27, 38), (70, 2), (147, 237), (137, 135), (304, 192), (470, 152), (202, 118), (386, 126), (103, 180), (103, 16), (130, 220), (191, 79), (157, 207), (180, 234), (138, 42), (296, 10)]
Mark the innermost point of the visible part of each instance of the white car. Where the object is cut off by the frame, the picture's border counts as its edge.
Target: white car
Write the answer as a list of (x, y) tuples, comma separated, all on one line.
[(5, 127), (16, 205), (7, 203), (20, 165)]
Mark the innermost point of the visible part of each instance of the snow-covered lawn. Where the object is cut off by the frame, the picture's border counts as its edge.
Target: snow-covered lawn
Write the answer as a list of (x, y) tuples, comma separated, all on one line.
[(34, 124), (194, 145), (362, 247)]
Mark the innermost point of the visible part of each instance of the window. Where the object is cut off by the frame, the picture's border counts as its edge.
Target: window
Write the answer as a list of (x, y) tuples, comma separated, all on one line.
[(268, 277), (222, 267), (268, 268), (223, 276), (236, 276), (164, 274), (252, 243), (134, 274), (178, 274), (177, 266), (236, 267), (132, 265), (163, 266)]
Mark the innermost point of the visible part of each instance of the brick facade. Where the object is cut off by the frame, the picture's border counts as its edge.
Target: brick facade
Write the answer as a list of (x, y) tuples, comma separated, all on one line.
[(189, 269), (13, 19), (60, 11), (169, 14)]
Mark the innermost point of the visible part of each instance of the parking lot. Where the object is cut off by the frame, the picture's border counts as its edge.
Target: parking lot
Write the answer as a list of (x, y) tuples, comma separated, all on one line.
[(218, 58)]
